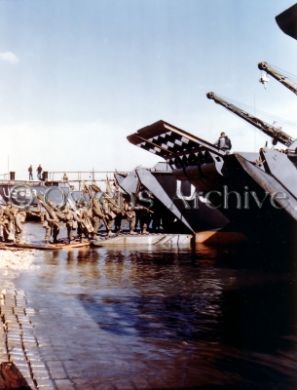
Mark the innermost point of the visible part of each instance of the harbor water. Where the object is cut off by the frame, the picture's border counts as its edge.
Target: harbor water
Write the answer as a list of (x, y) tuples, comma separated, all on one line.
[(166, 319)]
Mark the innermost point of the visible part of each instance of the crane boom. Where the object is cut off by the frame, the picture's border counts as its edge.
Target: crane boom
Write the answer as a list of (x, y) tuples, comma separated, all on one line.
[(277, 134), (284, 80)]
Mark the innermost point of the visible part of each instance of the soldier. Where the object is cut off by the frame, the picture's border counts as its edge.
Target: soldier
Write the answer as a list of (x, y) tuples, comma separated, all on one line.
[(71, 221), (19, 221), (157, 216), (143, 215), (130, 214), (143, 210), (9, 214), (46, 224), (12, 220), (119, 202), (118, 222), (84, 221), (98, 216), (50, 220), (110, 212)]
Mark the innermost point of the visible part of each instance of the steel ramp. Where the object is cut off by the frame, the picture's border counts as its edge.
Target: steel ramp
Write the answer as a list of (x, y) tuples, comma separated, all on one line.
[(177, 146)]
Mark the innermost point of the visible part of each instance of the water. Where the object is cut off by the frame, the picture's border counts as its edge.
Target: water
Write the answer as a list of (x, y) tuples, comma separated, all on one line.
[(167, 319)]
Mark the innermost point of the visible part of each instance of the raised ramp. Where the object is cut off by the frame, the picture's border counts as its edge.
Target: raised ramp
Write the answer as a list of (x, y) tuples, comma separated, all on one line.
[(146, 240), (43, 246), (177, 146)]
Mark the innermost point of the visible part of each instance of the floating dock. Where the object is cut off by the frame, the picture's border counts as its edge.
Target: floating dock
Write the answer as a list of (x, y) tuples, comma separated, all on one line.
[(157, 240), (44, 246), (145, 240)]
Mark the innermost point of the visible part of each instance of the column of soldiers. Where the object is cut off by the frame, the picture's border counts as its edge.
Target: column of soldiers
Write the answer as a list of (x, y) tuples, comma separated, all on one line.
[(87, 216), (82, 219)]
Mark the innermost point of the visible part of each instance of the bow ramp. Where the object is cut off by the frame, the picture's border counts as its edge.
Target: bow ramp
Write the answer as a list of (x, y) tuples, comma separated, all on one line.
[(175, 145)]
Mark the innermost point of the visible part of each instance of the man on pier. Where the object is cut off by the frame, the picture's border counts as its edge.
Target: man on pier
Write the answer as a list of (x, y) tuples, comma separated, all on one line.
[(39, 172), (30, 171)]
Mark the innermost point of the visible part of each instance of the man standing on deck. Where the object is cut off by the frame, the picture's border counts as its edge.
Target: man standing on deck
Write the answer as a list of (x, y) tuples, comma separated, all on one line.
[(30, 171), (224, 143)]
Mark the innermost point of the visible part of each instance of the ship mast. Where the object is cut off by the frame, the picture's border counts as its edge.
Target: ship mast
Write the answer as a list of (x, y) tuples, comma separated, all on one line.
[(276, 133)]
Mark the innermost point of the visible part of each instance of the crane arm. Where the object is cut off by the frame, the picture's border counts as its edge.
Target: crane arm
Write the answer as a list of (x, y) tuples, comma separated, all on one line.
[(277, 134), (284, 80)]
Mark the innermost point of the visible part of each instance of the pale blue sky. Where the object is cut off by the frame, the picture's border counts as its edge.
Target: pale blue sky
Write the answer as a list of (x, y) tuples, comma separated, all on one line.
[(83, 74)]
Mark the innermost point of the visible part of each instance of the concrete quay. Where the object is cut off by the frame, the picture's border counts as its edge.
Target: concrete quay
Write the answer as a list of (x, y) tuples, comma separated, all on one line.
[(18, 342)]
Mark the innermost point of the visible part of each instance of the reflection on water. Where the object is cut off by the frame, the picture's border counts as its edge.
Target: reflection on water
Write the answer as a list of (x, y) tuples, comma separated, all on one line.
[(167, 319)]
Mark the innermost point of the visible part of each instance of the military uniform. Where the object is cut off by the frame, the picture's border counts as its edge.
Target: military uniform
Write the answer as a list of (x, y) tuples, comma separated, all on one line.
[(50, 221), (71, 221), (9, 214), (84, 221), (20, 219), (130, 214), (97, 215), (110, 213)]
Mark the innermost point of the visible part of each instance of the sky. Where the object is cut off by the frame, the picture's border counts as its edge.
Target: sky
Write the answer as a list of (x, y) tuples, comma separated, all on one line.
[(78, 76)]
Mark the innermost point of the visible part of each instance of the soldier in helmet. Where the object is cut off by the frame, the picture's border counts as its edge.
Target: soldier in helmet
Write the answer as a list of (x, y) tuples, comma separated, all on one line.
[(46, 224), (110, 212), (85, 226), (12, 219), (20, 219), (130, 214), (144, 210), (98, 216), (50, 219), (9, 214), (71, 221)]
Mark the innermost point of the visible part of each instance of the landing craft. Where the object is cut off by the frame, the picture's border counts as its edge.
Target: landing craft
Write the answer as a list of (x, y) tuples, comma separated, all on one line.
[(178, 202), (257, 192)]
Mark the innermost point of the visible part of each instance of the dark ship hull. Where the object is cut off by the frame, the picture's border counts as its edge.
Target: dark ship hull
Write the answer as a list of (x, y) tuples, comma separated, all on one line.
[(257, 192), (175, 200)]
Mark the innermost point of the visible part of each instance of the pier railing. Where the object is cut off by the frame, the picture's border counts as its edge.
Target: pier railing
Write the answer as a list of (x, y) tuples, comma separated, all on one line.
[(75, 179), (5, 176), (78, 178)]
